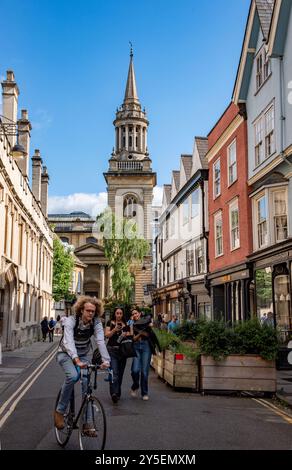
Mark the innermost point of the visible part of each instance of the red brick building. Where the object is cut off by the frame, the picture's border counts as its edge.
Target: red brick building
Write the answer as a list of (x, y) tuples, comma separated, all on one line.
[(230, 225)]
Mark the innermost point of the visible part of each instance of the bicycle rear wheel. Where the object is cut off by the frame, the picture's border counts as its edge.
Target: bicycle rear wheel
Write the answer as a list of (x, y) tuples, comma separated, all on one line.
[(93, 414), (63, 435)]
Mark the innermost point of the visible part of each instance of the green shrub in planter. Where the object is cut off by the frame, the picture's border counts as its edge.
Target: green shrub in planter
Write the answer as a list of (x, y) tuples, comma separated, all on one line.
[(250, 337), (189, 330), (166, 338)]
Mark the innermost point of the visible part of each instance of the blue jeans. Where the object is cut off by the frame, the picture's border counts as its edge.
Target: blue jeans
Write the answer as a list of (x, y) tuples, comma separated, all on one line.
[(118, 364), (141, 365), (71, 374)]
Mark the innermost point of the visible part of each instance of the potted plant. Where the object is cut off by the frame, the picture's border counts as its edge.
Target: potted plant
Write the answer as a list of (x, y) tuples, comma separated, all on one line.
[(238, 358)]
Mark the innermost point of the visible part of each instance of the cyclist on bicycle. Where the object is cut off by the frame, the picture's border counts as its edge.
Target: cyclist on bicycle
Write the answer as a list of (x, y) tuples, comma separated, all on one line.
[(74, 348)]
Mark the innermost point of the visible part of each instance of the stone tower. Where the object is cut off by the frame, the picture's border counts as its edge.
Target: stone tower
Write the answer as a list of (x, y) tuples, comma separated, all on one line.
[(130, 179)]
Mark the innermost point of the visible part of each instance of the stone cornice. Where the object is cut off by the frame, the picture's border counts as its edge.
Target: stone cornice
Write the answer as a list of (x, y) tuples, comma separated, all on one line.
[(213, 152)]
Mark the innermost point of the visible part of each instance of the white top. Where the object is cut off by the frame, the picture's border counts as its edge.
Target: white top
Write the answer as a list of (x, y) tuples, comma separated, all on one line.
[(68, 342)]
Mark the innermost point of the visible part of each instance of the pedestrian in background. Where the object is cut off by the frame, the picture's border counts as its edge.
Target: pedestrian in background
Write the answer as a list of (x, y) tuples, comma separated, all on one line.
[(116, 329), (173, 324), (44, 328), (58, 328), (51, 326), (144, 343)]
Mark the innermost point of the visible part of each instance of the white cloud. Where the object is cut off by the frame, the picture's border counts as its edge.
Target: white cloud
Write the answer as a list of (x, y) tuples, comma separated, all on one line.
[(157, 196), (92, 204)]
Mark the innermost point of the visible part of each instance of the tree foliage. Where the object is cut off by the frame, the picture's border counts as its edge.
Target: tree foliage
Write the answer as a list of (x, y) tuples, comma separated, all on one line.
[(63, 266), (123, 247)]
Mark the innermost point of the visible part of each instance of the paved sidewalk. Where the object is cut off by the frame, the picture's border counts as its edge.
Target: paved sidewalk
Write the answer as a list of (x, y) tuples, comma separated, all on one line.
[(284, 386), (17, 362)]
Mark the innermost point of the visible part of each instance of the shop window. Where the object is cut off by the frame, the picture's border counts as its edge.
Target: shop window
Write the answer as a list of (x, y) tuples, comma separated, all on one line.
[(282, 298), (204, 311), (264, 293)]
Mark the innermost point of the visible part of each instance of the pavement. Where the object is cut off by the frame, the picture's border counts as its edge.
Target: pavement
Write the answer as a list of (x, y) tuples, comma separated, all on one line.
[(16, 365), (284, 387), (21, 362)]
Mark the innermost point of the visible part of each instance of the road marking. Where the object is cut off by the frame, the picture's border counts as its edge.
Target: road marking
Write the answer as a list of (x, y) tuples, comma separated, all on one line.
[(30, 380), (275, 409)]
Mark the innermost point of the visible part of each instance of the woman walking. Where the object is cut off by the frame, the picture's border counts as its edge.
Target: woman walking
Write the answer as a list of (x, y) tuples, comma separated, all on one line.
[(144, 342), (116, 329)]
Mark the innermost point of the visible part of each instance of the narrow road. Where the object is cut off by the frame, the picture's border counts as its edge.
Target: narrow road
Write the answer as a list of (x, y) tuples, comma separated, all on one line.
[(170, 420)]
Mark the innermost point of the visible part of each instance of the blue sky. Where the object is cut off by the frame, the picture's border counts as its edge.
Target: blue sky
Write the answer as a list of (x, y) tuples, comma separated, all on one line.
[(71, 59)]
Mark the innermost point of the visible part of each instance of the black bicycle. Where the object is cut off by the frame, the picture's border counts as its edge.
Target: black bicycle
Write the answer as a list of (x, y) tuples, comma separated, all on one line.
[(92, 436)]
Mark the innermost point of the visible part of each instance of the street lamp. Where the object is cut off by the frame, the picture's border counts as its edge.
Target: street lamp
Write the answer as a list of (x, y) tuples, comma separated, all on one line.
[(10, 129)]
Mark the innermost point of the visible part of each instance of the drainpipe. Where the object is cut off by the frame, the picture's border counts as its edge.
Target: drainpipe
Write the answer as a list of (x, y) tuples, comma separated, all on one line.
[(207, 284)]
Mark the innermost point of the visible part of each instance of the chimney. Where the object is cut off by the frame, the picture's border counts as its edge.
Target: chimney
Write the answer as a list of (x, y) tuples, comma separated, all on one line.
[(24, 128), (10, 93), (44, 191), (36, 175)]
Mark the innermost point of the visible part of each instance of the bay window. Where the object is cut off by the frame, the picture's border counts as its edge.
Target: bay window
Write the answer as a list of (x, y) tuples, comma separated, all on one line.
[(280, 215)]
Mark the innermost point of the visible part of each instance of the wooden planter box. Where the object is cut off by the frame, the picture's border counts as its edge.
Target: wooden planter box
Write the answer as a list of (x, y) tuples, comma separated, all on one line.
[(158, 363), (180, 372), (238, 373)]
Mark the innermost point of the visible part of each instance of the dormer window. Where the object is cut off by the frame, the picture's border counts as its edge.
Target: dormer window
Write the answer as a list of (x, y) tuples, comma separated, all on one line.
[(263, 65)]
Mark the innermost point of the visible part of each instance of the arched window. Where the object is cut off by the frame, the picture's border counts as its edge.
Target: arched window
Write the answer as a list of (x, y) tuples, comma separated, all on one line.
[(91, 240), (65, 240), (130, 206)]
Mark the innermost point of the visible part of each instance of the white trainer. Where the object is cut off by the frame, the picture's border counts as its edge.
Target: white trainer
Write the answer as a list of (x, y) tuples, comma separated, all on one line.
[(145, 398), (133, 393)]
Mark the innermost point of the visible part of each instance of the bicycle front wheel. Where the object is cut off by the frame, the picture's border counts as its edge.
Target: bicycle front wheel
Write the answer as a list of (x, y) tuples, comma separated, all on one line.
[(92, 425), (63, 435)]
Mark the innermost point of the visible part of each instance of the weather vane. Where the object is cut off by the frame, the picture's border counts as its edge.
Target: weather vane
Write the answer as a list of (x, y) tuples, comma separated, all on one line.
[(131, 52)]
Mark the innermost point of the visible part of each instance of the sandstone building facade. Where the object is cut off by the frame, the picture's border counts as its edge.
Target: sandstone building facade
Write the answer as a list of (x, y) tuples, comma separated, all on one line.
[(26, 245)]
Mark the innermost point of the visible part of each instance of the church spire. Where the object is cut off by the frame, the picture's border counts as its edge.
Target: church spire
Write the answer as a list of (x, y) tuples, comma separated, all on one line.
[(131, 95)]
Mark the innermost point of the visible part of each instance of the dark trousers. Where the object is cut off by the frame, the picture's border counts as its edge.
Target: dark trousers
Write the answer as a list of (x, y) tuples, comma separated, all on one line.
[(118, 364), (51, 336), (44, 333)]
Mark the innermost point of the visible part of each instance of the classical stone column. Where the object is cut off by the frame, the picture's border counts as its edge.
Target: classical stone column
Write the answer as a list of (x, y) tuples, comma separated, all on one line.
[(134, 138), (141, 138), (102, 282), (110, 288), (127, 138)]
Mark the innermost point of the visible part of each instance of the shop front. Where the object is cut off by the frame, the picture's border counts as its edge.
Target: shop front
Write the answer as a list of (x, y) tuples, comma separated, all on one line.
[(272, 294), (231, 294), (167, 301), (273, 286), (200, 300)]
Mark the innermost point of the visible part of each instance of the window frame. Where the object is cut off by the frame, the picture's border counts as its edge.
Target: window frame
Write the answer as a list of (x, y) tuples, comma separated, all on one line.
[(218, 215), (266, 221), (215, 180), (234, 164), (264, 71), (197, 204), (261, 133), (234, 204), (274, 216)]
